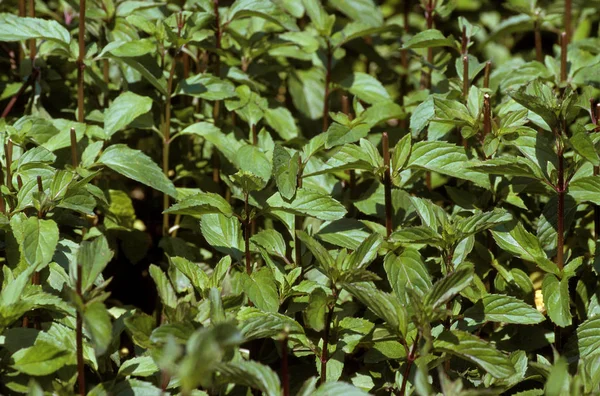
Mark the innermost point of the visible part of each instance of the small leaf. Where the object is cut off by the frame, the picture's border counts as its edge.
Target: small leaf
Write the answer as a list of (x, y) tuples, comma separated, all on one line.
[(260, 289), (93, 256), (316, 310), (37, 239), (323, 257), (164, 287), (583, 145), (251, 374), (223, 233), (137, 166), (200, 204), (557, 300), (309, 203), (97, 323), (255, 324), (285, 171), (382, 304), (365, 87), (123, 110), (430, 38), (401, 153), (193, 272), (515, 239), (449, 286), (407, 271)]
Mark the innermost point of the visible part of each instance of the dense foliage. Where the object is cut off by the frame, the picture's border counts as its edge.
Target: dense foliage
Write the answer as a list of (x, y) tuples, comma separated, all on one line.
[(303, 197)]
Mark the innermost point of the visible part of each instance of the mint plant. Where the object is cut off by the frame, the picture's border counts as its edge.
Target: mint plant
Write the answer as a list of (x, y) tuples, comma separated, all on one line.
[(299, 197)]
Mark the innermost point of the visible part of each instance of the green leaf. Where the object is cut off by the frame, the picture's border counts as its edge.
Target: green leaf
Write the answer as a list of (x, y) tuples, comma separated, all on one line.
[(365, 253), (416, 235), (316, 309), (14, 28), (407, 271), (137, 166), (37, 239), (382, 304), (474, 349), (255, 324), (447, 159), (508, 166), (583, 145), (223, 233), (193, 272), (557, 300), (261, 290), (401, 153), (285, 171), (515, 239), (263, 9), (206, 86), (318, 16), (588, 337), (98, 324), (282, 121), (271, 241), (93, 256), (558, 382), (164, 287), (140, 366), (148, 68), (540, 99), (251, 374), (586, 189), (40, 359), (306, 89), (365, 87), (430, 38), (201, 204), (347, 233), (449, 286), (482, 221), (505, 309), (123, 110), (252, 159), (365, 11), (323, 257), (309, 203)]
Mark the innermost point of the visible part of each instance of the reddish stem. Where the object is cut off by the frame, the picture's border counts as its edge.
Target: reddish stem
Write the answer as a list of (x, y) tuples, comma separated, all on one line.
[(74, 161), (486, 74), (487, 115), (80, 63), (563, 56), (387, 183), (409, 362), (539, 56), (465, 61), (247, 234)]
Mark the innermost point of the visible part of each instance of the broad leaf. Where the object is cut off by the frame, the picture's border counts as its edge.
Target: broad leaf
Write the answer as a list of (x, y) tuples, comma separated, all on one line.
[(137, 166), (474, 349), (557, 300), (123, 110), (309, 203), (505, 309)]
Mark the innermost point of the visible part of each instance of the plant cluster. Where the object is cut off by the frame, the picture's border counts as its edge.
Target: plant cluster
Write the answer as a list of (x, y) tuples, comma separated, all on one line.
[(341, 197)]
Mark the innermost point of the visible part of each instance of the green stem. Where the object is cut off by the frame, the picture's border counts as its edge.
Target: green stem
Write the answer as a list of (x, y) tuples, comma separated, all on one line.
[(167, 144)]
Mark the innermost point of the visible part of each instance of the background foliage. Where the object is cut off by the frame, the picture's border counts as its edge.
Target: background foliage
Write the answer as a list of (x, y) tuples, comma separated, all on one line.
[(299, 197)]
